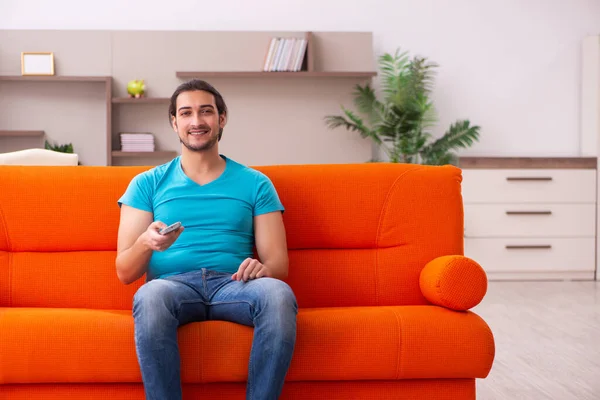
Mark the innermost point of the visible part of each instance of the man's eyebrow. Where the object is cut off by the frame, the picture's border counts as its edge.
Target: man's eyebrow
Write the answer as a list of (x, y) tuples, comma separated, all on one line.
[(202, 106)]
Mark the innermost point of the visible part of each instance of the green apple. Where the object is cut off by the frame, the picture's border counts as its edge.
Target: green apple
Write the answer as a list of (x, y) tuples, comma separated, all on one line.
[(136, 88)]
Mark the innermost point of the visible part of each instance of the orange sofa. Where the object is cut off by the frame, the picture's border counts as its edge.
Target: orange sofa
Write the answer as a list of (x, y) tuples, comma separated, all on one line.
[(375, 262)]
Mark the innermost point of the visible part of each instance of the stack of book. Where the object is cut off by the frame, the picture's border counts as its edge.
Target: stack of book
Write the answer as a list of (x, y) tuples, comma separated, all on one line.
[(137, 142), (285, 54)]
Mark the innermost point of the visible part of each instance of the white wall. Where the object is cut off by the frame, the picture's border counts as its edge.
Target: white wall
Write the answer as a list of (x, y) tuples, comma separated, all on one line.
[(512, 66)]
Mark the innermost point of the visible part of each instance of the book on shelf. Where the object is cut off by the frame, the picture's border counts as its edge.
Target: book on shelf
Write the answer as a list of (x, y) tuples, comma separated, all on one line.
[(137, 141), (285, 54)]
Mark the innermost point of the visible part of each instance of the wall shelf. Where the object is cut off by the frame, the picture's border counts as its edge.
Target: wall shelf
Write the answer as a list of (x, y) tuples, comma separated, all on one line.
[(138, 154), (141, 100), (55, 78), (264, 74), (21, 133)]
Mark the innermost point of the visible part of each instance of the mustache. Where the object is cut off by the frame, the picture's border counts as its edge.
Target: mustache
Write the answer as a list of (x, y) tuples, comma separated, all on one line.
[(198, 127)]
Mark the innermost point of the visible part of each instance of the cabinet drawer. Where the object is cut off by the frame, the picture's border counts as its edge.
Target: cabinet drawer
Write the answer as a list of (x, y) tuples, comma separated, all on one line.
[(532, 254), (530, 220), (529, 186)]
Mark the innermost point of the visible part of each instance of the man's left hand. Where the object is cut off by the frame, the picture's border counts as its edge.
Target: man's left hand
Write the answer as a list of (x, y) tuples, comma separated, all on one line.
[(251, 268)]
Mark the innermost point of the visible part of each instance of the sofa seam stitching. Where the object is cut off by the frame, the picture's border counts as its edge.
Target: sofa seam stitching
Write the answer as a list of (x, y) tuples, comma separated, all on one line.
[(398, 357), (382, 215), (10, 283), (9, 251), (3, 221)]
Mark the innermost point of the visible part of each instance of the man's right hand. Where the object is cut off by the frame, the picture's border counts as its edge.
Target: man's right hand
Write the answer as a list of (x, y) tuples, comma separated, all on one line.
[(157, 242)]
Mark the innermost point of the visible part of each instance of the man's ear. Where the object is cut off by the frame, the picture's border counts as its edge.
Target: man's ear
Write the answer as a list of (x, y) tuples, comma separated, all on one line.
[(174, 123), (222, 120)]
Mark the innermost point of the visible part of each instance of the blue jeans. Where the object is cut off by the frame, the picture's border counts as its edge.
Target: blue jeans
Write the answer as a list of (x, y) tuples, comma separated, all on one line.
[(160, 306)]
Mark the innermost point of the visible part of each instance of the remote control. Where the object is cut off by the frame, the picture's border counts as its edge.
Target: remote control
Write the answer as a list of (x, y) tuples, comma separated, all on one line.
[(170, 228)]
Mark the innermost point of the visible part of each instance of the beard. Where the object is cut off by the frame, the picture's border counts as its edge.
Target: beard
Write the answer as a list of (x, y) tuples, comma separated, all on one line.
[(209, 144)]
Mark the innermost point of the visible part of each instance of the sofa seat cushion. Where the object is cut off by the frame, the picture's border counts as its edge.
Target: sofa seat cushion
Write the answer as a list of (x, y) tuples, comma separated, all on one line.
[(355, 343)]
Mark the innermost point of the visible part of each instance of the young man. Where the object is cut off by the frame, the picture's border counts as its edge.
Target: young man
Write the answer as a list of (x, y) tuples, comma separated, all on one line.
[(205, 270)]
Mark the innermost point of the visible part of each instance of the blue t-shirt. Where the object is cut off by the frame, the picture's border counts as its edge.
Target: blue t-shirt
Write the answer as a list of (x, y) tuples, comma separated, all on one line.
[(217, 216)]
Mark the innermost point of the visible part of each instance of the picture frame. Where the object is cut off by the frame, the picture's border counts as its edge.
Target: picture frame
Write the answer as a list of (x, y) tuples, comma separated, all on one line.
[(37, 63)]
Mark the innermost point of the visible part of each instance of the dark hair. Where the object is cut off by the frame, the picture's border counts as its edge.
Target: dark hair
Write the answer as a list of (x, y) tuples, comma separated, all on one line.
[(197, 84)]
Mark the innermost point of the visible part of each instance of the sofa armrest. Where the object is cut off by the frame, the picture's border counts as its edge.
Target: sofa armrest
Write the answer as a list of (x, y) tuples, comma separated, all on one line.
[(455, 282)]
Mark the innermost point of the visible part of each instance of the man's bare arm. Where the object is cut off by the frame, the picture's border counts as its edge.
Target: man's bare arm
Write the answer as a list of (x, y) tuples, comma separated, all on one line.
[(271, 243), (138, 237), (271, 246)]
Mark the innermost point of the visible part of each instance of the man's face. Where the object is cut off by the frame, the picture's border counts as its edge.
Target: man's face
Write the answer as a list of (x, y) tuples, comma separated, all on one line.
[(197, 121)]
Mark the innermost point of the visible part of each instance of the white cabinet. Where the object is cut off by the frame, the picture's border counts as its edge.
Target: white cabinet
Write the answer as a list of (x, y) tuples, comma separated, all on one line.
[(528, 223)]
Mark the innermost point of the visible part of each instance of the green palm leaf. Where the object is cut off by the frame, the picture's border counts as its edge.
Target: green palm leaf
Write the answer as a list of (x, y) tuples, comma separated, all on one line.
[(459, 135), (352, 123), (393, 67), (366, 102)]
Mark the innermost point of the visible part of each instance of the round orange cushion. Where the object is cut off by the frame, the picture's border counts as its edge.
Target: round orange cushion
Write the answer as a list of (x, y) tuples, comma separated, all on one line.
[(455, 282)]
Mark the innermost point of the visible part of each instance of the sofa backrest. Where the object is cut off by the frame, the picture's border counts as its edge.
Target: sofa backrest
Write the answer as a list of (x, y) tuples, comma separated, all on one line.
[(358, 234)]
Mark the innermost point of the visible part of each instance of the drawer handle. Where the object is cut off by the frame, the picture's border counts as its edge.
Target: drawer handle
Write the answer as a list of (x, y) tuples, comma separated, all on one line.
[(528, 246), (529, 178), (529, 213)]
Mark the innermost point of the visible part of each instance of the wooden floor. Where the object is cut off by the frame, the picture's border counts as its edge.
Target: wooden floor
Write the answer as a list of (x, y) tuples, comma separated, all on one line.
[(547, 341)]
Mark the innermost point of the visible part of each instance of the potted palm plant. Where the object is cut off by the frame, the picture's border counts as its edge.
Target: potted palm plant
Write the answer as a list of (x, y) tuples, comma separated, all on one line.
[(402, 120)]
